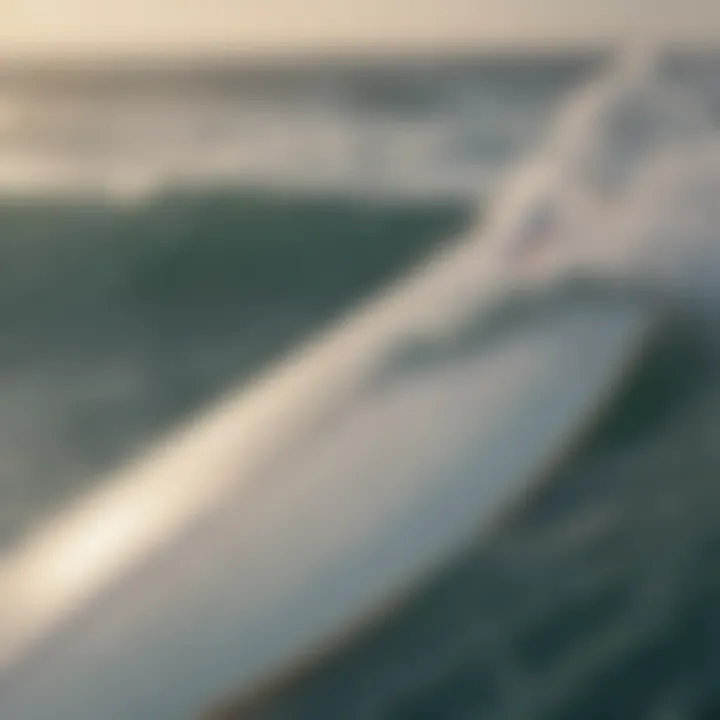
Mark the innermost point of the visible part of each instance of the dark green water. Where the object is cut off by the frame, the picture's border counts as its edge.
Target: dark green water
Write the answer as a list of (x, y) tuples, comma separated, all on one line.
[(118, 321)]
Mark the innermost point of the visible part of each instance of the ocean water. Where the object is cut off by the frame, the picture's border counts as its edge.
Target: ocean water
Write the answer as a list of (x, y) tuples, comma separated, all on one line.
[(167, 232)]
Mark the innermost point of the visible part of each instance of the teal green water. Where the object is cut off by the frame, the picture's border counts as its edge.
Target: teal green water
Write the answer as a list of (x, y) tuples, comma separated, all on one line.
[(118, 321)]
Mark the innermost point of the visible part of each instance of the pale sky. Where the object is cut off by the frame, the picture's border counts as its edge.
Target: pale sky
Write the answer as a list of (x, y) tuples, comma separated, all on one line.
[(200, 25)]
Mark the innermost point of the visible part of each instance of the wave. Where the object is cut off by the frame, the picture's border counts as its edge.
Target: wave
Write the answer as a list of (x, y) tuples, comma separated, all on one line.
[(594, 601)]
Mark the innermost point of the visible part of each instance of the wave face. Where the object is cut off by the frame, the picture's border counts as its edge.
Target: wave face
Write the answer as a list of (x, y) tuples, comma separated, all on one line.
[(120, 319)]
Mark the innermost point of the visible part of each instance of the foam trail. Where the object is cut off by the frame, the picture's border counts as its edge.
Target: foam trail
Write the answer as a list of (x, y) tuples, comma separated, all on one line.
[(562, 206)]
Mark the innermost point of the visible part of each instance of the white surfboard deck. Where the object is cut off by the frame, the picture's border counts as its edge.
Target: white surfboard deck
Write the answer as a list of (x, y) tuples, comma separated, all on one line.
[(289, 518)]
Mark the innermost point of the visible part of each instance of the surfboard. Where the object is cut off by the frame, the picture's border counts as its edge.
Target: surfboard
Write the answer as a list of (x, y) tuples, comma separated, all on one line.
[(294, 514)]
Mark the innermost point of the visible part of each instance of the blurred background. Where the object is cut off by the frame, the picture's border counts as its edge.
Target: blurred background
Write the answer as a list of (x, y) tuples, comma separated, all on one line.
[(188, 190)]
